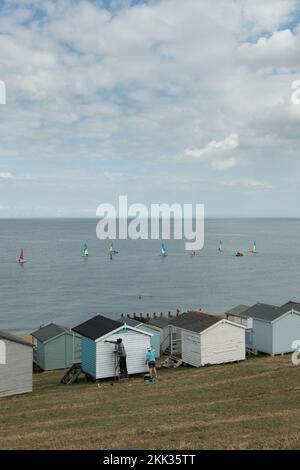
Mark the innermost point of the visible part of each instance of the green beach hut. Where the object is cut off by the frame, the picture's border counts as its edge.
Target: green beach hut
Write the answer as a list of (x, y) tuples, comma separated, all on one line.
[(56, 347)]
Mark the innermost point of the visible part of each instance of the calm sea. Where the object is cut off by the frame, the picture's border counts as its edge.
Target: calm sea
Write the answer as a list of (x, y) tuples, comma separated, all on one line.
[(58, 285)]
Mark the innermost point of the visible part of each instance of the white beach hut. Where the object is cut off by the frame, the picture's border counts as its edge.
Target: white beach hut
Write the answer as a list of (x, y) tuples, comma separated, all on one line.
[(98, 356), (207, 339), (15, 365)]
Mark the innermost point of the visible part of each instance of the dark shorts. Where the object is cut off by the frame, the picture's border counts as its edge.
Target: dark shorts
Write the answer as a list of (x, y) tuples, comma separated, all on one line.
[(152, 364)]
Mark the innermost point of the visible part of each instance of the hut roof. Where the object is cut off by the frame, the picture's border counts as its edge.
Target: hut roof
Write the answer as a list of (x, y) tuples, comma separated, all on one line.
[(129, 321), (97, 327), (160, 322), (195, 321), (269, 312), (288, 307), (44, 333), (261, 312), (237, 310), (14, 339)]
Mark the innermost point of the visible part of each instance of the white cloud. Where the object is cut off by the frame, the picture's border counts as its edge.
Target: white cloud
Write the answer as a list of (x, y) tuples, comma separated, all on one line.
[(267, 15), (282, 48), (248, 184), (213, 148), (225, 163), (215, 153), (6, 176)]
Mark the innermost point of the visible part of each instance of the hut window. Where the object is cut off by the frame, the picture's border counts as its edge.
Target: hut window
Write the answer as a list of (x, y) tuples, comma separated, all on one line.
[(2, 352)]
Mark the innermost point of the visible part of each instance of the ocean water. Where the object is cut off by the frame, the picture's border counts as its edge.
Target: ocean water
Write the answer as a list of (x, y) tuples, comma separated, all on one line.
[(57, 284)]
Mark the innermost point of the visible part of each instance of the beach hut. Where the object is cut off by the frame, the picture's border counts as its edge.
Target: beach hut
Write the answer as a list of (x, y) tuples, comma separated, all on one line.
[(56, 347), (207, 339), (162, 324), (98, 356), (155, 331), (234, 314), (274, 328), (15, 365)]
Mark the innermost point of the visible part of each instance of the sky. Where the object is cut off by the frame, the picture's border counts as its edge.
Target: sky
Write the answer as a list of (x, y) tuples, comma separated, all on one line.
[(165, 101)]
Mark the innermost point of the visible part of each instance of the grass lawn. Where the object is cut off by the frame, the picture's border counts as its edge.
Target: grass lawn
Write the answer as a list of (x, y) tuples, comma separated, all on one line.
[(251, 405)]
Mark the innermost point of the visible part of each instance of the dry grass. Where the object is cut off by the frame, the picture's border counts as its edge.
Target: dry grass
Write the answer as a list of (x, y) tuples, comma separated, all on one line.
[(251, 405)]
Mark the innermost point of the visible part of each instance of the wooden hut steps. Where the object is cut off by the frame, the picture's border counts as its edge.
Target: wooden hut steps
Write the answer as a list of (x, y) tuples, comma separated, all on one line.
[(175, 350), (172, 362), (72, 374)]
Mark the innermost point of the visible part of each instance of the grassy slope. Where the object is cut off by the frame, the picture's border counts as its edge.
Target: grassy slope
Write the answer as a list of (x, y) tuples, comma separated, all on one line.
[(251, 405)]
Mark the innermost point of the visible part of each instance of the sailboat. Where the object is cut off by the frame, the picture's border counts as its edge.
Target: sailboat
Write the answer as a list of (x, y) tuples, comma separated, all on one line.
[(220, 247), (21, 257), (112, 251), (85, 251), (163, 250), (254, 248)]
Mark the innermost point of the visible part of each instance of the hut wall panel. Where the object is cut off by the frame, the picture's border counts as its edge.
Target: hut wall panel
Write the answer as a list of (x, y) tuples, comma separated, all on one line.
[(223, 343), (136, 347), (88, 364), (55, 353), (16, 374), (191, 348), (155, 338), (262, 337), (285, 331), (39, 355), (73, 349), (164, 334)]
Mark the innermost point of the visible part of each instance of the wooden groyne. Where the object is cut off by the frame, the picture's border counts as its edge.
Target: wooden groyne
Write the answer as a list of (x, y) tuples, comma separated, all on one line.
[(145, 317)]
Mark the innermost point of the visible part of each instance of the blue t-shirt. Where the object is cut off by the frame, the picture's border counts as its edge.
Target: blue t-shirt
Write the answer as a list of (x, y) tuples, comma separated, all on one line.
[(150, 356)]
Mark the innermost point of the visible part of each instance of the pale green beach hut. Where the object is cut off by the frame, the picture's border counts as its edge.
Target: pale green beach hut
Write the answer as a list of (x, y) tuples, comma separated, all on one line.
[(56, 347)]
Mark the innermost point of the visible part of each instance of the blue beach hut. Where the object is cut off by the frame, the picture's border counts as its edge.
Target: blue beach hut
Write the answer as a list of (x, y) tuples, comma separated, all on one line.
[(98, 356), (271, 329)]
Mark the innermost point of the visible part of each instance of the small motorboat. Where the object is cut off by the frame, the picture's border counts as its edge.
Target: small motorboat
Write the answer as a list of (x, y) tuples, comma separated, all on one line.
[(239, 254)]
